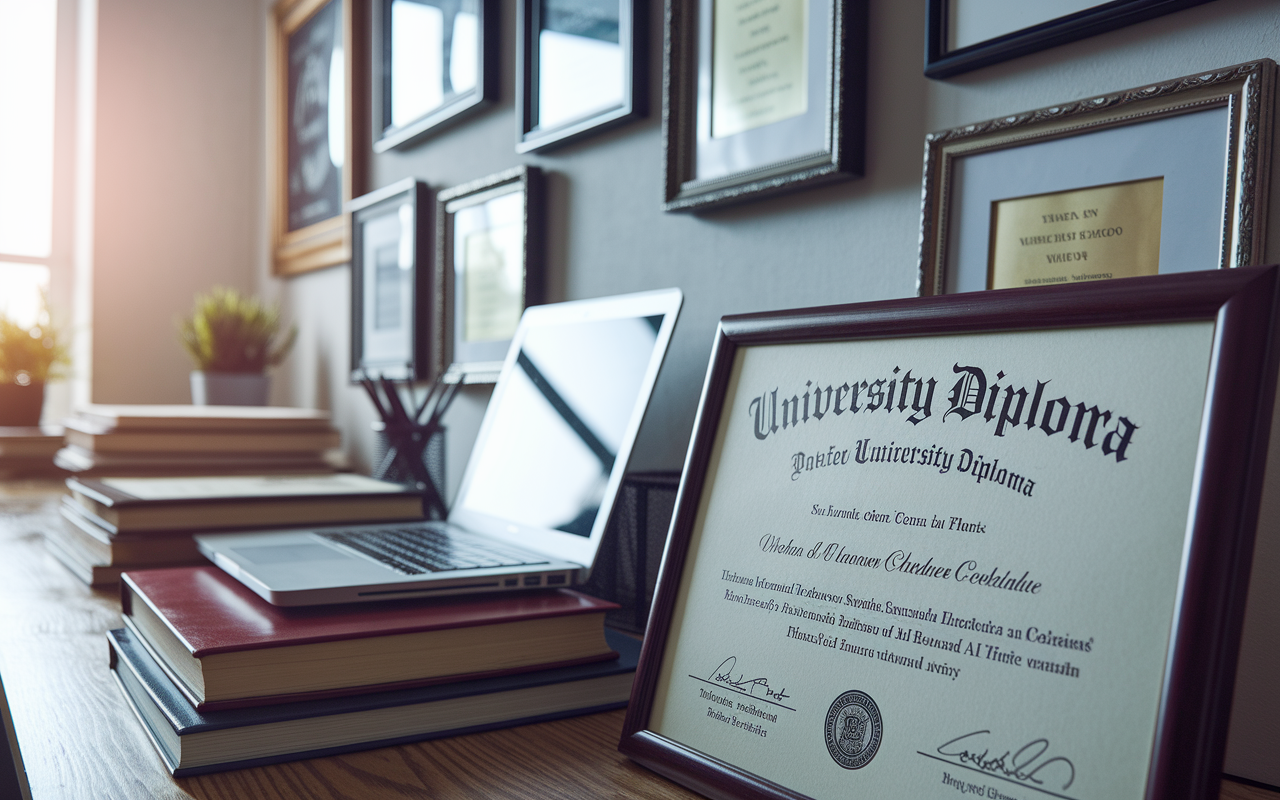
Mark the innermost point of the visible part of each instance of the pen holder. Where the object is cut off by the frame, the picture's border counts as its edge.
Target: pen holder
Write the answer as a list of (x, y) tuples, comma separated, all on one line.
[(411, 438), (626, 566), (397, 471)]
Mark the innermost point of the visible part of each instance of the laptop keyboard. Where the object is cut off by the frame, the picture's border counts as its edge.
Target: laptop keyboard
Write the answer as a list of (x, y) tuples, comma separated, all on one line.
[(419, 550)]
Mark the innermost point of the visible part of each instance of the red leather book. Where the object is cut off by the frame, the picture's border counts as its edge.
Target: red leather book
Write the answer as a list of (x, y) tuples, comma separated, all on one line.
[(225, 647)]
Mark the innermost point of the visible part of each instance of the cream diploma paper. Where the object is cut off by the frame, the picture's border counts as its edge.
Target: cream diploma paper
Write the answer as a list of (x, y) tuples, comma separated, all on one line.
[(1080, 235), (940, 566), (759, 64), (493, 273)]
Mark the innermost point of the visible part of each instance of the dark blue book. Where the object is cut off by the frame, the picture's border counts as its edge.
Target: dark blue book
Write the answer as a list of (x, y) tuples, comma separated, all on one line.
[(193, 743)]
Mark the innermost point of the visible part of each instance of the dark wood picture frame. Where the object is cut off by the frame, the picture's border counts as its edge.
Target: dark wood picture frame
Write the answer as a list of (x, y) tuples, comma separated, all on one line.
[(386, 134), (322, 243), (1199, 671), (841, 157), (939, 62), (415, 328), (1245, 91), (480, 362), (530, 135)]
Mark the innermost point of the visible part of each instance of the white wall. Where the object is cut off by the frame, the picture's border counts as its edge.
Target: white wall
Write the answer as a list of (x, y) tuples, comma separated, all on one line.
[(177, 173)]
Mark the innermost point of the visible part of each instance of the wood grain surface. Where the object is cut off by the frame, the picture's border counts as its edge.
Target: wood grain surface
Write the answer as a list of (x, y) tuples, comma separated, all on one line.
[(79, 739)]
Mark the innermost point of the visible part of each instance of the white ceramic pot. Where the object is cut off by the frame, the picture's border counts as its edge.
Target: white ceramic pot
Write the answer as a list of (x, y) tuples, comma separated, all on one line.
[(229, 388)]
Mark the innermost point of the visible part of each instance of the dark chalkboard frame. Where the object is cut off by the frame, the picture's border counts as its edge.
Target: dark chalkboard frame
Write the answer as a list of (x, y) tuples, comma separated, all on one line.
[(326, 242)]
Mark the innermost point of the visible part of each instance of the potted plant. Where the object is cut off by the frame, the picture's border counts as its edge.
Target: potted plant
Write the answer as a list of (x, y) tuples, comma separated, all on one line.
[(233, 339), (29, 356)]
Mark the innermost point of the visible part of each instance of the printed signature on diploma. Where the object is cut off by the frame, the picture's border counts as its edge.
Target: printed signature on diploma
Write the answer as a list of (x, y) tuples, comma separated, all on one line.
[(756, 687), (1030, 765)]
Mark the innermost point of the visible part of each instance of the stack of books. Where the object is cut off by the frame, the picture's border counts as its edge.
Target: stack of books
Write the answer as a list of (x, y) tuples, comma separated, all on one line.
[(197, 440), (221, 679), (28, 451), (111, 525)]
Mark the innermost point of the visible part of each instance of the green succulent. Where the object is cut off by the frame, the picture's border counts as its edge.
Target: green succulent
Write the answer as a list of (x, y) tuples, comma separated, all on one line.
[(30, 355), (229, 332)]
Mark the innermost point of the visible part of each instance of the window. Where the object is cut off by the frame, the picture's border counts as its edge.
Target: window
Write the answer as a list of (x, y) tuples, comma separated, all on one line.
[(28, 31)]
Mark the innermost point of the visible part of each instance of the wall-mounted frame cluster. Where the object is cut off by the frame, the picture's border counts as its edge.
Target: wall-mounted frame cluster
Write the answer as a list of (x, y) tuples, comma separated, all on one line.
[(444, 306)]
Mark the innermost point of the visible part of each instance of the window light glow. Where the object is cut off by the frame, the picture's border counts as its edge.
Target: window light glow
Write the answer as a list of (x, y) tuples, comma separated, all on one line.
[(27, 39)]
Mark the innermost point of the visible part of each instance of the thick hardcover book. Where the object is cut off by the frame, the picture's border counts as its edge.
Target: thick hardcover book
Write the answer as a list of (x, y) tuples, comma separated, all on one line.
[(29, 443), (81, 564), (219, 502), (203, 418), (79, 461), (99, 439), (226, 647), (130, 551), (191, 742)]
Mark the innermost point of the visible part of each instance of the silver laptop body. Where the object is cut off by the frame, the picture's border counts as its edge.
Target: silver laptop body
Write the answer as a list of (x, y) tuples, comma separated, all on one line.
[(538, 486)]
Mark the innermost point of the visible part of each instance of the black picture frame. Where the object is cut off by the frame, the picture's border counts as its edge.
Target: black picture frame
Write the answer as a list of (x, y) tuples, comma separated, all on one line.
[(1199, 669), (488, 206), (941, 62), (390, 133), (391, 283), (532, 135), (702, 172)]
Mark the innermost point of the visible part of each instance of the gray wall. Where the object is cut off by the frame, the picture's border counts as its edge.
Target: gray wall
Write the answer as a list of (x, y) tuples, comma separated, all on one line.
[(846, 243)]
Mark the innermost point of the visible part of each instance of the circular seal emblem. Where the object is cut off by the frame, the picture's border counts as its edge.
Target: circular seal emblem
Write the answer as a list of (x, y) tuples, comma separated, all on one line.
[(853, 729)]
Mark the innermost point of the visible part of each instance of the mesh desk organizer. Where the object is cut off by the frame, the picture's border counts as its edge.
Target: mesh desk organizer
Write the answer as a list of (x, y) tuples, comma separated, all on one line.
[(411, 448)]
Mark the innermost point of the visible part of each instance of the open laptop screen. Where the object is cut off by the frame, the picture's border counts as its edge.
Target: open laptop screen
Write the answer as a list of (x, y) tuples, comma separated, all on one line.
[(561, 422)]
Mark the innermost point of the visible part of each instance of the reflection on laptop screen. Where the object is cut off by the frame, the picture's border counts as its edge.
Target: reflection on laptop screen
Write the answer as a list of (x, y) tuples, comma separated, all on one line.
[(559, 426)]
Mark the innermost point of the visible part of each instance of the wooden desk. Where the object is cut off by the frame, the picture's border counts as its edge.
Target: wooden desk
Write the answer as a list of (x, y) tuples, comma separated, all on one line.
[(79, 739)]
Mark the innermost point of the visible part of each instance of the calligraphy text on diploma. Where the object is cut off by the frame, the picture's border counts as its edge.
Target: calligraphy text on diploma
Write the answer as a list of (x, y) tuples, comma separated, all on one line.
[(759, 64), (943, 564), (1079, 235)]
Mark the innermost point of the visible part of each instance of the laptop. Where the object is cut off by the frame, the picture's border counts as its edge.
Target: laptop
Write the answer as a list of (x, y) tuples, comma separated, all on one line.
[(538, 487)]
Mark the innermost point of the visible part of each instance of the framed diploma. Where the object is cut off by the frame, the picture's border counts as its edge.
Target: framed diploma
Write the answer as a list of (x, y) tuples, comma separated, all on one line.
[(581, 69), (995, 546), (1159, 179), (488, 269), (437, 64), (760, 98), (963, 35), (391, 283), (317, 52)]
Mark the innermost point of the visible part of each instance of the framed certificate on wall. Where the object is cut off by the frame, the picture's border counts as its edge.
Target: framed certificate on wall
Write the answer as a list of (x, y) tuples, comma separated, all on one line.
[(996, 545), (761, 97), (391, 282), (488, 270), (1171, 177)]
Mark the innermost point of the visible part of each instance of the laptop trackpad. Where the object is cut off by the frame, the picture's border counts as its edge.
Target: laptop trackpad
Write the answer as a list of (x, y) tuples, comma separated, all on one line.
[(289, 553)]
